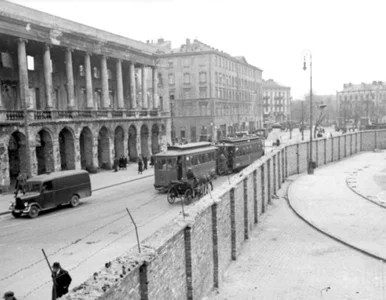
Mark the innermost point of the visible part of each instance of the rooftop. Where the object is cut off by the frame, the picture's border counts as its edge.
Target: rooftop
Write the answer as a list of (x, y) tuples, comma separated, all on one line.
[(270, 83), (194, 47), (39, 18)]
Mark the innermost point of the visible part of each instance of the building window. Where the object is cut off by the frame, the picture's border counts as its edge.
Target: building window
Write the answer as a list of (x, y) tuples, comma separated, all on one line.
[(186, 78), (30, 63), (183, 136), (202, 76), (81, 70), (171, 79), (170, 64), (109, 74), (186, 62), (216, 77), (186, 93), (203, 93), (112, 97), (96, 72), (6, 60), (193, 137), (215, 60), (171, 96), (203, 109)]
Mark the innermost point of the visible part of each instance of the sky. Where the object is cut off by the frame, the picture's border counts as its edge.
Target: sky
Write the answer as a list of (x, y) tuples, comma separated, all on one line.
[(345, 37)]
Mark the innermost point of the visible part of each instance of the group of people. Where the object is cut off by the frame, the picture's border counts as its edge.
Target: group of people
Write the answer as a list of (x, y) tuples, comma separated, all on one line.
[(61, 283), (143, 161), (120, 163)]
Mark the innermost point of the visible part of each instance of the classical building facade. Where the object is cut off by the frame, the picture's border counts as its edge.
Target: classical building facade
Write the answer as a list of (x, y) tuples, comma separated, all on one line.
[(277, 101), (363, 103), (212, 94), (72, 96)]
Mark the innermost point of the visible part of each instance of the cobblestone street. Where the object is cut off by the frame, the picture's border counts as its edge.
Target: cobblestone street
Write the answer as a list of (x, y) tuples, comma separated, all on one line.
[(287, 259)]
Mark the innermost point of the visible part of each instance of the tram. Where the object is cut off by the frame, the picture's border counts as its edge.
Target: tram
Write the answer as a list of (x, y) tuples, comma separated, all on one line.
[(172, 164), (239, 152)]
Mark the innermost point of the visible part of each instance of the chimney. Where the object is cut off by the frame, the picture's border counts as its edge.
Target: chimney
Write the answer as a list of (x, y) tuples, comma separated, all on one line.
[(161, 41), (147, 42), (187, 44)]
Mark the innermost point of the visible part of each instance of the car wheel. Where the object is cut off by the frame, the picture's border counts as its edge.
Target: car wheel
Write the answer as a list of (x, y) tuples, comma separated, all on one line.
[(74, 201), (16, 214), (33, 212)]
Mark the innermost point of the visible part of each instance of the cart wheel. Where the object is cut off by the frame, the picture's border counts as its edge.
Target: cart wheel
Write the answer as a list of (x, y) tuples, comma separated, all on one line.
[(188, 196), (172, 195)]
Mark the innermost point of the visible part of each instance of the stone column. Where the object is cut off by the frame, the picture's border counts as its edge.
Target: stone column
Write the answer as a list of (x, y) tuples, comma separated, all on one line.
[(105, 83), (56, 155), (95, 152), (144, 87), (23, 72), (24, 95), (133, 92), (119, 84), (70, 79), (47, 76), (126, 144), (155, 88), (89, 91)]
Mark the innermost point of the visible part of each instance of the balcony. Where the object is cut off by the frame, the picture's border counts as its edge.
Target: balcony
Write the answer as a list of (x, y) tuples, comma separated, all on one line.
[(52, 115)]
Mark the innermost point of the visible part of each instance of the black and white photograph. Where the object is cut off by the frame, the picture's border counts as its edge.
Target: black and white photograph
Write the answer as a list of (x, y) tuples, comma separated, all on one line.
[(192, 150)]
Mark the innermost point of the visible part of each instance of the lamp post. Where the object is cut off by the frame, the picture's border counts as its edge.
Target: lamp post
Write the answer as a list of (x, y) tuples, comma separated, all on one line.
[(310, 169)]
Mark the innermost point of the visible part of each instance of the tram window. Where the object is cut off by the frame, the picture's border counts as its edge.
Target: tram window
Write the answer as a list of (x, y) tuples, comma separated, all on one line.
[(188, 161), (169, 163), (198, 160), (162, 164), (173, 163), (194, 160)]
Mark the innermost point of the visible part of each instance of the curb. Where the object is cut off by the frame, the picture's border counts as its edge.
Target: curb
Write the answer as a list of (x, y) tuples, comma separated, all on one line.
[(335, 238), (364, 197), (102, 188)]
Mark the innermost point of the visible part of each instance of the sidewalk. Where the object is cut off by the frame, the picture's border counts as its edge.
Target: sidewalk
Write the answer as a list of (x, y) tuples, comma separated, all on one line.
[(327, 203), (98, 181), (285, 258)]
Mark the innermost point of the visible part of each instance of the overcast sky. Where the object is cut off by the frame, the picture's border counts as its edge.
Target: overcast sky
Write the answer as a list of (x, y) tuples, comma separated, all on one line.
[(346, 37)]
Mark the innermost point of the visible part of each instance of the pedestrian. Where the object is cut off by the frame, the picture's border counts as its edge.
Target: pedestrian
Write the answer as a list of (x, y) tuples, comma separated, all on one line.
[(9, 296), (140, 165), (152, 160), (145, 162), (21, 182), (116, 164), (124, 159), (62, 281)]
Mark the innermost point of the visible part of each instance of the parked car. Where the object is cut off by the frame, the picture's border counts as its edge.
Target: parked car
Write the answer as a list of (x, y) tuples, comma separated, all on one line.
[(51, 190)]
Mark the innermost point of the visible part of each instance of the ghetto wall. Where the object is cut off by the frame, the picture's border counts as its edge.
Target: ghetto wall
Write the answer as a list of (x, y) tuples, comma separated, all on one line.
[(187, 258)]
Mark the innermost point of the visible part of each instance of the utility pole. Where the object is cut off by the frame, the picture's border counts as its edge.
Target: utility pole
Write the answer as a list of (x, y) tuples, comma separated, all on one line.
[(172, 120), (310, 162)]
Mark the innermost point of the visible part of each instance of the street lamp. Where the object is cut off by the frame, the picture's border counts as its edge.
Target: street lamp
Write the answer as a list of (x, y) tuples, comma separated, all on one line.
[(310, 169)]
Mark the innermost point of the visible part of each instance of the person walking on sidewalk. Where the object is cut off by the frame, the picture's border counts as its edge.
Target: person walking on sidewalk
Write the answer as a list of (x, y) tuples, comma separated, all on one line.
[(145, 163), (140, 164), (62, 281), (152, 160), (9, 296)]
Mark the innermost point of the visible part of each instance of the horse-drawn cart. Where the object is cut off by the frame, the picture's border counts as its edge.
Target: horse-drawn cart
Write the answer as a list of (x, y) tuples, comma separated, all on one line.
[(186, 190)]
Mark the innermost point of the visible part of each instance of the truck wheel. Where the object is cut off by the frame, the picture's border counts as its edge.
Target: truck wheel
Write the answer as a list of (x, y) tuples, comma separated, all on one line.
[(33, 212), (74, 201), (16, 214)]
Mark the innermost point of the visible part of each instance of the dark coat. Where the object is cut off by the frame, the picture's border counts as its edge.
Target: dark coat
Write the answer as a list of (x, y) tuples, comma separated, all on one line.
[(63, 281)]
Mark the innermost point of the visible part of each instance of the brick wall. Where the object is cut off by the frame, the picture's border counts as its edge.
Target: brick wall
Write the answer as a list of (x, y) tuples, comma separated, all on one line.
[(186, 258)]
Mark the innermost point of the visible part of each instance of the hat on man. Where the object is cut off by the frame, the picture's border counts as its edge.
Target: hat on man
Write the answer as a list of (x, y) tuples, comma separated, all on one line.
[(8, 294), (56, 265)]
